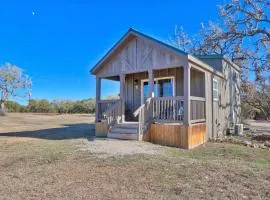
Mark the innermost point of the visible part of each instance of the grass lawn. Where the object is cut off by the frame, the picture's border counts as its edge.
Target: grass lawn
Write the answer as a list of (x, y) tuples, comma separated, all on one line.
[(44, 167)]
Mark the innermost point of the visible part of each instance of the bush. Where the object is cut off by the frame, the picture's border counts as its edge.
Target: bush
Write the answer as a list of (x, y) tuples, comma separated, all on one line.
[(56, 106), (13, 106), (42, 106)]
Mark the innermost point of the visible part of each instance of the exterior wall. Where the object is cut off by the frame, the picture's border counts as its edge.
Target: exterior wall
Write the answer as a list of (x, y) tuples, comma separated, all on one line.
[(140, 55), (226, 111), (221, 114), (221, 107), (233, 83), (133, 92)]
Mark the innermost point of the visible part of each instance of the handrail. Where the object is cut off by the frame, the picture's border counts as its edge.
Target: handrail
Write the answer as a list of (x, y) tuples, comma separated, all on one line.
[(137, 111), (145, 114), (169, 98)]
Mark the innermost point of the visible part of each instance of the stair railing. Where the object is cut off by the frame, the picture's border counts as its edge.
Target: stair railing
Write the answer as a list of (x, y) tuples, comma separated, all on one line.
[(145, 113), (114, 114)]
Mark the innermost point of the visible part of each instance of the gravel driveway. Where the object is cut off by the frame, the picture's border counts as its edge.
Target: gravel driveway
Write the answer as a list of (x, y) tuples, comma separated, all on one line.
[(110, 147)]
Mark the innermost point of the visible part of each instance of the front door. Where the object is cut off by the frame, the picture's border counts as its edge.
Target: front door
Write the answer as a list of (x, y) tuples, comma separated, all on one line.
[(163, 87)]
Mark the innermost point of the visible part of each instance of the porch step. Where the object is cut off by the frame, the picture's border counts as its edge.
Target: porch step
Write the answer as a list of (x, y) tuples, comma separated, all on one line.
[(129, 125), (126, 131), (122, 136)]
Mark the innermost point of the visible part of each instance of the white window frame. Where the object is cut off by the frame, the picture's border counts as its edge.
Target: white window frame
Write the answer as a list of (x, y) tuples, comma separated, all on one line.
[(157, 79), (216, 90)]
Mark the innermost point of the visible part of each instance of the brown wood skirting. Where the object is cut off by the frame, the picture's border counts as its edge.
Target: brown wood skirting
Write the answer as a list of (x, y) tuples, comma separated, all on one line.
[(146, 136), (197, 135), (176, 135), (101, 129)]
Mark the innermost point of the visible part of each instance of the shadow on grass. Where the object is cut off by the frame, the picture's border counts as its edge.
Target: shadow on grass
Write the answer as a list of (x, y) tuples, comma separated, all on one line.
[(69, 131)]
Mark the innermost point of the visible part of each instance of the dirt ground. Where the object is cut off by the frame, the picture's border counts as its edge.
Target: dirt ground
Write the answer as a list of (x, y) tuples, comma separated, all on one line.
[(259, 126), (57, 157)]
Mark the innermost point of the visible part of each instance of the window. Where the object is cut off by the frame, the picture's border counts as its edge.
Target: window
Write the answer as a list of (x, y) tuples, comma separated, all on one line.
[(162, 87), (215, 90)]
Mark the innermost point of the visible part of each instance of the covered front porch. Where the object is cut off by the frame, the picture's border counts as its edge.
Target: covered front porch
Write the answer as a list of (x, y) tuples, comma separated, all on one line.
[(172, 98), (175, 95)]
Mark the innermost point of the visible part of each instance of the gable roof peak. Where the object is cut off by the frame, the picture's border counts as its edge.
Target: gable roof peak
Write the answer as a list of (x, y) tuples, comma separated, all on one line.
[(132, 31)]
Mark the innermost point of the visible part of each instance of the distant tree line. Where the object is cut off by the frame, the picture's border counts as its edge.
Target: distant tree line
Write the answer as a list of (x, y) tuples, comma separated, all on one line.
[(56, 106)]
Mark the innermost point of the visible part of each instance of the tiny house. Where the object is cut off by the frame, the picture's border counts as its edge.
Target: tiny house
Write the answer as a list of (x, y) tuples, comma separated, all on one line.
[(167, 96)]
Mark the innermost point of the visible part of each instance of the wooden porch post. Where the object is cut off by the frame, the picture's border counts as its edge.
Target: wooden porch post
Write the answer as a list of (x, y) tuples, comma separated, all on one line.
[(150, 83), (187, 94), (98, 88), (122, 95)]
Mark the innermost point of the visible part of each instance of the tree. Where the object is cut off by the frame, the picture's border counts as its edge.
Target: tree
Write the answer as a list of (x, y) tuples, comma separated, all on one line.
[(248, 22), (258, 97), (181, 39), (41, 106), (13, 83), (241, 34), (13, 106)]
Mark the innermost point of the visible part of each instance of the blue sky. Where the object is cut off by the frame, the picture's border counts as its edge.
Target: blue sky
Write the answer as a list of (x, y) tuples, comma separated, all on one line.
[(58, 43)]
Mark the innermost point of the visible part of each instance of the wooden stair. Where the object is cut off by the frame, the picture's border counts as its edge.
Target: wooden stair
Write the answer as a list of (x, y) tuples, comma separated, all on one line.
[(124, 131)]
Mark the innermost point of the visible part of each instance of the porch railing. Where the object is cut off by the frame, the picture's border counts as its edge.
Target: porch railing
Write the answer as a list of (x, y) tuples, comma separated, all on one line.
[(104, 106), (114, 114), (145, 114), (168, 109)]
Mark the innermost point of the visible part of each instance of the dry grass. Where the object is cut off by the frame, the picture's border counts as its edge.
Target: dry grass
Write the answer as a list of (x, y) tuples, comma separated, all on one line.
[(42, 165)]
